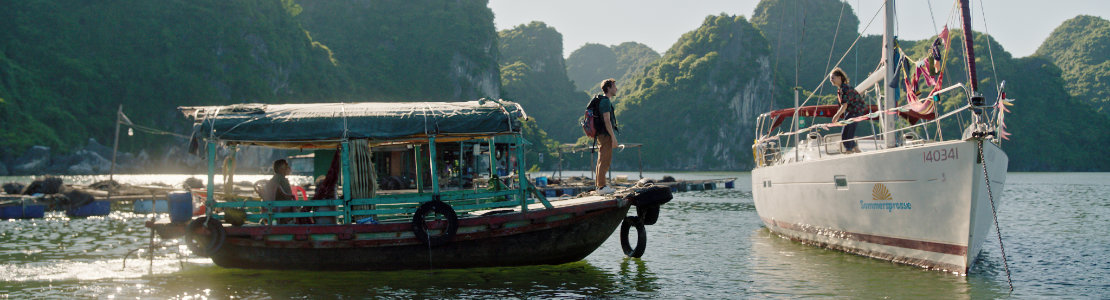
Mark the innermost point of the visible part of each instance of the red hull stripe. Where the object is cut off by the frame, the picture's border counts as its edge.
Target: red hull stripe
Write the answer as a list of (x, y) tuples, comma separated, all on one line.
[(874, 239)]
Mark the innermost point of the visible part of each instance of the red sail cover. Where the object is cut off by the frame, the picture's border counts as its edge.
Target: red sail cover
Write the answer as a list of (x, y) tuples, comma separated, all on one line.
[(829, 110)]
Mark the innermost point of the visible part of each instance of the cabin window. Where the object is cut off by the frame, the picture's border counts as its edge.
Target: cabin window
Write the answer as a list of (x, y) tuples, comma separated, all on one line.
[(841, 182)]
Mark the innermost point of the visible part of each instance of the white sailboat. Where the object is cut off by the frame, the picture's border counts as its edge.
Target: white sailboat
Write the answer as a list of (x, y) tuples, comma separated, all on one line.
[(906, 199)]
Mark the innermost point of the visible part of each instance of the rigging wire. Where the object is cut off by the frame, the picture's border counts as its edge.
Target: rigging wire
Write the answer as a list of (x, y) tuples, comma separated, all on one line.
[(835, 34), (858, 36)]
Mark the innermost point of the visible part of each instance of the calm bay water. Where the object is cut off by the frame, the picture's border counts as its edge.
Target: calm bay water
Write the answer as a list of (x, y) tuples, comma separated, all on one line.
[(706, 244)]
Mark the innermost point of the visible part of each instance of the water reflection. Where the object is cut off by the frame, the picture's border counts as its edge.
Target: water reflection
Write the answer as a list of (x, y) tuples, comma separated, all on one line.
[(635, 272), (791, 268)]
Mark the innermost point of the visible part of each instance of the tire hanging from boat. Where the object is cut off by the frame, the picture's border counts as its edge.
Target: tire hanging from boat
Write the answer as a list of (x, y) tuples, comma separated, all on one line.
[(648, 200), (204, 245), (641, 237), (420, 227)]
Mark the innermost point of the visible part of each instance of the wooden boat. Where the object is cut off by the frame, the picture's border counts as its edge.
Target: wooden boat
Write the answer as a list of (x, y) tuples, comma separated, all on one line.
[(450, 220), (905, 199)]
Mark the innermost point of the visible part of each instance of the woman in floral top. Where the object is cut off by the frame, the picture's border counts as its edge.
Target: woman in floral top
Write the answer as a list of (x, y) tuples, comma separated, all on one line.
[(851, 106)]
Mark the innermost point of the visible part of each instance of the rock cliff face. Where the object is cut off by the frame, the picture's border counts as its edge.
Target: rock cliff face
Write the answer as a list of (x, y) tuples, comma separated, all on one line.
[(409, 50), (534, 74), (695, 108)]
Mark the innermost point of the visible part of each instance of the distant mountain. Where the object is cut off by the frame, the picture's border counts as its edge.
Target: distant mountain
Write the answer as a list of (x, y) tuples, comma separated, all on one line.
[(66, 65), (592, 63), (1081, 48), (410, 50), (802, 35), (534, 74), (694, 109), (1051, 130)]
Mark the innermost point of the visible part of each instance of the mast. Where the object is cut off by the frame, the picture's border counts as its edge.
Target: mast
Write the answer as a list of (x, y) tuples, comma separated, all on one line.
[(887, 122), (972, 78), (976, 100)]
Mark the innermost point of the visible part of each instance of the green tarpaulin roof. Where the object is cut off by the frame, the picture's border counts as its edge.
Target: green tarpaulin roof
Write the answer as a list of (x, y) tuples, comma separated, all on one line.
[(366, 120)]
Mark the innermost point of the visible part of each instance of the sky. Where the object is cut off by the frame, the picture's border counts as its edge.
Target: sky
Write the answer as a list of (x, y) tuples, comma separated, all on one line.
[(1020, 26)]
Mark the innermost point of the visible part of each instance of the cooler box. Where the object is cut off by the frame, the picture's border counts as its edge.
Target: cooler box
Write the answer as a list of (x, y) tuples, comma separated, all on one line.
[(181, 206)]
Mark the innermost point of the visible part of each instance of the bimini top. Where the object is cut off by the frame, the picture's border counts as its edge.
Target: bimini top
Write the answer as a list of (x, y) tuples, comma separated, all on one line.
[(384, 121)]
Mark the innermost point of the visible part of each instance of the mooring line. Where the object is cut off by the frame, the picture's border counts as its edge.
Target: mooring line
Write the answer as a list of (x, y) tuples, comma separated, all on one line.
[(994, 212)]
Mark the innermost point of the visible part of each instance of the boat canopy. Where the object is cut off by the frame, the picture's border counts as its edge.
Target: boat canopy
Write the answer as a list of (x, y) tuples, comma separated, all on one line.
[(829, 110), (299, 124)]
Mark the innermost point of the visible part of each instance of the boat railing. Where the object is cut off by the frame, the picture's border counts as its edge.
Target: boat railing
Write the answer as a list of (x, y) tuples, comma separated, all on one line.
[(351, 208), (768, 150)]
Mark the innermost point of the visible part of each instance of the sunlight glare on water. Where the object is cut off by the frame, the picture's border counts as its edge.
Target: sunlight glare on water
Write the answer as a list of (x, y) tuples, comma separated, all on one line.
[(706, 245)]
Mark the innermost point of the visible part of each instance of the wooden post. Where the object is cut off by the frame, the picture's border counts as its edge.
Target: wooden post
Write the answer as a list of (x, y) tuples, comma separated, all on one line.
[(432, 165), (419, 179), (521, 177), (346, 167), (210, 198), (115, 148)]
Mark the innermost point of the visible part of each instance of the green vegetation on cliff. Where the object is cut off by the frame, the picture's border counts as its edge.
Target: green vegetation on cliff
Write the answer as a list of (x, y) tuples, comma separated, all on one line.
[(67, 65), (694, 108), (400, 50), (533, 73), (592, 63), (1081, 48)]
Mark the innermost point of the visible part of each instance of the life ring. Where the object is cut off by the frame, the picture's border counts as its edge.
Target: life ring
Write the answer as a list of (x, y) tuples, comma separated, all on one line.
[(641, 237), (204, 236), (420, 227)]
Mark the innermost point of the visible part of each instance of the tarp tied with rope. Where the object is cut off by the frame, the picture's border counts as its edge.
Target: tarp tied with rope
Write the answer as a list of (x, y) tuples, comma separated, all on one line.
[(367, 120)]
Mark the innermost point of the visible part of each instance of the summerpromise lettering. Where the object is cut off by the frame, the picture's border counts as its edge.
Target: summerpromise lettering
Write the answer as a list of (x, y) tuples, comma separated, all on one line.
[(888, 206)]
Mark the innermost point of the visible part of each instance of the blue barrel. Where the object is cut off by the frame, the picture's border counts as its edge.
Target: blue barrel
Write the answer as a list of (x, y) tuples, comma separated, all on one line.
[(11, 212), (541, 181), (34, 211), (730, 184), (181, 206)]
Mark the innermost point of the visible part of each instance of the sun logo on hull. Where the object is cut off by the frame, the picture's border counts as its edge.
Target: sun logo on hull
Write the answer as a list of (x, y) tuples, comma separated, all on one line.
[(879, 192)]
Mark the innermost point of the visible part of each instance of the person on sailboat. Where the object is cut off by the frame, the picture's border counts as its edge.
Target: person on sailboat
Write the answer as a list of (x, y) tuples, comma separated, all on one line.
[(851, 106)]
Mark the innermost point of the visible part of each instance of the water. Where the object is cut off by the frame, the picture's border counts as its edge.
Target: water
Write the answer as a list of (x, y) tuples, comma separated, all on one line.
[(706, 244)]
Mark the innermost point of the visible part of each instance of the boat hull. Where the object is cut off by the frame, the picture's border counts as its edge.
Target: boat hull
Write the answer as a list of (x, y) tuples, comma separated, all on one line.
[(556, 236), (925, 205)]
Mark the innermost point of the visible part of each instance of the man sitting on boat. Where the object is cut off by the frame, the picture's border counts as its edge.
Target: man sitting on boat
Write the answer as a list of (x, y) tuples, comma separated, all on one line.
[(851, 106), (278, 189)]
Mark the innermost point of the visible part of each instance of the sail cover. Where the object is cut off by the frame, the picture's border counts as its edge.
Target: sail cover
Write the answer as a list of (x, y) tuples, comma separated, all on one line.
[(366, 120)]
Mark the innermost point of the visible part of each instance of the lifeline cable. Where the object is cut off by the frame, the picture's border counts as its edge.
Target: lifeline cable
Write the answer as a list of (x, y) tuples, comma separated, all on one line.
[(995, 213)]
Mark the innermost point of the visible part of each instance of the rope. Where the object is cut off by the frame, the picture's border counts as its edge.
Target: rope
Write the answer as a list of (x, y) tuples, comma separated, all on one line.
[(994, 212), (846, 52), (990, 52), (835, 34)]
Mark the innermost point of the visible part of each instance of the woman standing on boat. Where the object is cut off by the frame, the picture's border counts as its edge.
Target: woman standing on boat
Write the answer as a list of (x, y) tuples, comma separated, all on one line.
[(851, 106)]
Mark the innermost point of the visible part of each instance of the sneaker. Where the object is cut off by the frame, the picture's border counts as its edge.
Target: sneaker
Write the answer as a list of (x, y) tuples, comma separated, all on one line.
[(605, 190)]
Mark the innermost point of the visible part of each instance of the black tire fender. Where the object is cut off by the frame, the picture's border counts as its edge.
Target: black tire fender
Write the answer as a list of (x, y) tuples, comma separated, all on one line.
[(205, 236), (652, 196), (420, 227), (641, 237)]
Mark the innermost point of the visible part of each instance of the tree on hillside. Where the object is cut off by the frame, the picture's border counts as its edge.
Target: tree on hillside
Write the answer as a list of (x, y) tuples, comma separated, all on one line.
[(591, 64), (694, 108), (1081, 48), (536, 77)]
